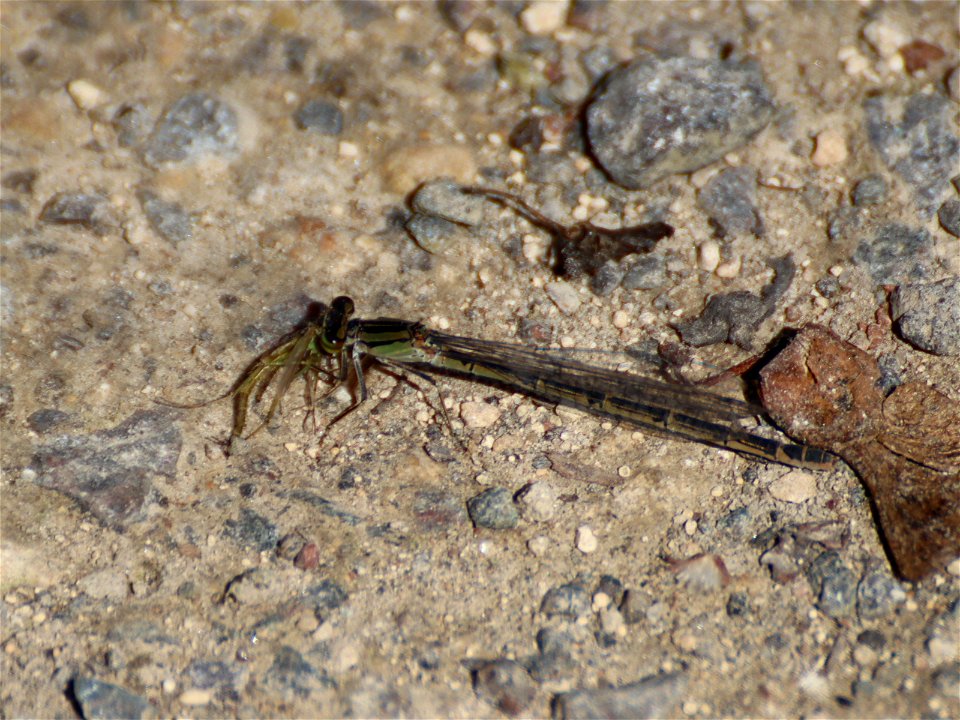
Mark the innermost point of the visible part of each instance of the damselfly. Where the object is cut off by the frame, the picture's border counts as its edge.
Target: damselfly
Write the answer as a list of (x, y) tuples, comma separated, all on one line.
[(335, 344)]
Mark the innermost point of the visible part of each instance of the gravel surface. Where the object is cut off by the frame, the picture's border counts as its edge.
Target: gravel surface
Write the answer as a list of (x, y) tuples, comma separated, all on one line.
[(181, 180)]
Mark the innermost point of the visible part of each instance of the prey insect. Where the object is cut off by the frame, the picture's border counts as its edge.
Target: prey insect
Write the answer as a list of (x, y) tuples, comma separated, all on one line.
[(677, 410)]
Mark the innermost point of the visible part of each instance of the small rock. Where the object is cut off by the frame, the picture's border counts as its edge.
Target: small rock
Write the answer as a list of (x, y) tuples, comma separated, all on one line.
[(444, 199), (896, 254), (795, 486), (703, 573), (169, 219), (835, 583), (586, 540), (196, 124), (538, 501), (916, 138), (505, 684), (319, 116), (928, 315), (564, 296), (570, 600), (85, 94), (648, 272), (88, 209), (654, 118), (651, 697), (542, 17), (949, 216), (831, 148), (409, 166), (196, 697), (878, 594), (493, 509), (103, 701), (708, 256), (252, 530), (43, 421), (479, 414), (107, 584), (872, 190)]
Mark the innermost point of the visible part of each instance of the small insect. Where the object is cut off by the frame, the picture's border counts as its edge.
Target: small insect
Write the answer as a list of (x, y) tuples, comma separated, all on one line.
[(583, 247), (335, 338)]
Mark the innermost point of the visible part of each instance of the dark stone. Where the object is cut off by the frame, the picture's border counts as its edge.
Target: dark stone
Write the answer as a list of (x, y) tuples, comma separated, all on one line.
[(102, 701), (569, 600), (949, 216), (872, 190), (729, 198), (110, 472), (195, 125), (319, 116), (169, 219), (896, 254), (652, 697), (928, 315), (657, 117), (494, 509), (252, 530), (915, 136)]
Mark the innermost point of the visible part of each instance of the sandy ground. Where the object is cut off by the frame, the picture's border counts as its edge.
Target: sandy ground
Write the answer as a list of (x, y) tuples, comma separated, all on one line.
[(332, 574)]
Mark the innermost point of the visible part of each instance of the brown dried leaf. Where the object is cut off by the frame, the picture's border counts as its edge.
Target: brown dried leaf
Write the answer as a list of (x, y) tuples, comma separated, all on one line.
[(906, 449)]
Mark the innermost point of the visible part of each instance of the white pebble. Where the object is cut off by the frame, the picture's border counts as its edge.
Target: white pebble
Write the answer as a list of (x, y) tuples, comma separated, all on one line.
[(708, 255), (796, 486), (730, 268), (543, 17), (564, 296), (885, 38), (586, 540), (538, 545), (479, 414), (85, 94), (831, 148)]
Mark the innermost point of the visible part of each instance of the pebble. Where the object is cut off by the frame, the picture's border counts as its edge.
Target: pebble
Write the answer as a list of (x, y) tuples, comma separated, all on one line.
[(708, 255), (651, 697), (564, 296), (493, 509), (543, 17), (730, 268), (703, 573), (168, 219), (831, 148), (896, 253), (949, 216), (871, 190), (411, 165), (796, 486), (928, 315), (586, 541), (539, 545), (885, 37), (505, 684), (648, 272), (729, 198), (570, 600), (320, 116), (538, 501), (196, 124), (658, 117), (443, 199), (85, 94), (64, 208), (110, 471), (953, 84), (252, 530), (916, 138), (479, 414), (196, 697), (835, 583), (45, 420), (98, 699)]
